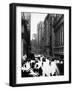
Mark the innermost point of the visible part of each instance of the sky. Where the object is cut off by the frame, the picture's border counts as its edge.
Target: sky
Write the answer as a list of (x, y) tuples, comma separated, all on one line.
[(35, 19)]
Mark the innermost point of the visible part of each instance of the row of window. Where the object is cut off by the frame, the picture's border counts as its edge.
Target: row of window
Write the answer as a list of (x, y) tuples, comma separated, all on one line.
[(59, 36)]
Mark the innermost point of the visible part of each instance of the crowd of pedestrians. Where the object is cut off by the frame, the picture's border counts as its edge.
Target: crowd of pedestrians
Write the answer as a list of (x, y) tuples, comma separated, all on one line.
[(40, 66)]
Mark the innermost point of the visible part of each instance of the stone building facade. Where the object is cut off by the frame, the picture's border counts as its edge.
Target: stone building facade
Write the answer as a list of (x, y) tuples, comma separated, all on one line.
[(59, 36), (25, 33), (48, 35)]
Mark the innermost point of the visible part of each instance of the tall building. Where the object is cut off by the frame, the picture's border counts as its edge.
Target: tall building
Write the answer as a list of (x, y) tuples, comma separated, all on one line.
[(40, 30), (25, 33), (48, 35), (34, 43), (59, 36)]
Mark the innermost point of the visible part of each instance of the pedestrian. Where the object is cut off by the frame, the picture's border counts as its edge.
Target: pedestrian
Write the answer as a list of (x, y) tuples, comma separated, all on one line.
[(54, 68)]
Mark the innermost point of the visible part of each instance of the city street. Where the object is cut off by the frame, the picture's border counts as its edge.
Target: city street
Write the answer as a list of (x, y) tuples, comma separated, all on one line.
[(42, 66), (42, 45)]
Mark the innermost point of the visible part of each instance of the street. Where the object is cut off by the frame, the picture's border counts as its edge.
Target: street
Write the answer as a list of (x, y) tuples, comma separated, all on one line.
[(41, 66)]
